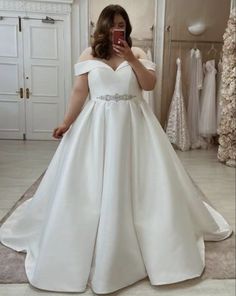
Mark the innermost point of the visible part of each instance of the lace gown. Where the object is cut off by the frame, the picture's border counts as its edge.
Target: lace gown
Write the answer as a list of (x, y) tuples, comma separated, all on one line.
[(177, 128), (115, 204)]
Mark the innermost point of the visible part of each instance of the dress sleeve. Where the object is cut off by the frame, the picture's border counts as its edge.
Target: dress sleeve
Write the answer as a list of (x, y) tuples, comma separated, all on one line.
[(83, 67), (148, 64)]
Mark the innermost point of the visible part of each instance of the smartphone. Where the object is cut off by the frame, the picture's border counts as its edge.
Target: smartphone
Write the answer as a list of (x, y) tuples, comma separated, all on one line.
[(117, 35)]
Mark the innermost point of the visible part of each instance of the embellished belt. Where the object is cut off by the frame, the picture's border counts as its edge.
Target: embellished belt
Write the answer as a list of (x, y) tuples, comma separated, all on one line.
[(116, 97)]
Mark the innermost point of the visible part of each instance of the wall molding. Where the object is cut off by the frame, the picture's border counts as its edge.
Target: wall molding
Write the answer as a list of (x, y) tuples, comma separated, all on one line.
[(44, 6), (80, 27)]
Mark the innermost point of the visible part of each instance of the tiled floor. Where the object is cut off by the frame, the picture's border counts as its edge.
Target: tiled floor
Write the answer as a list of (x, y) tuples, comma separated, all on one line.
[(22, 162)]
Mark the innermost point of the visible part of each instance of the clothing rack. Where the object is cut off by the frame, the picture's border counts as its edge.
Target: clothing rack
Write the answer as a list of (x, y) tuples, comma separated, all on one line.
[(195, 41)]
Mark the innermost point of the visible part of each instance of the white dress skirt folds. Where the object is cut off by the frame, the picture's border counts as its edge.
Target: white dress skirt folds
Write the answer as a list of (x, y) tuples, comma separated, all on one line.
[(115, 204)]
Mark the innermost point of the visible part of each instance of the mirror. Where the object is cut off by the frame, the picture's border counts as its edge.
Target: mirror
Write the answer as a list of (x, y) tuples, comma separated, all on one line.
[(142, 31)]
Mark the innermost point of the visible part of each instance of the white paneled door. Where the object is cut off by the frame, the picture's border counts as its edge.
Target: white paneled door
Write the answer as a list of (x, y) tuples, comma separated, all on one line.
[(32, 88), (12, 104)]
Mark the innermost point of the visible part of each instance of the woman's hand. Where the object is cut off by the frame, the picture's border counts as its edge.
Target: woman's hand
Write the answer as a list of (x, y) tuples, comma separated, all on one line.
[(124, 51), (60, 130), (146, 78)]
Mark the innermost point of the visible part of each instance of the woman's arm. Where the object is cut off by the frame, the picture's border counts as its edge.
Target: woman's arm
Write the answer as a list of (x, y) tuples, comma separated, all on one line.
[(78, 96), (79, 92), (145, 77), (77, 99)]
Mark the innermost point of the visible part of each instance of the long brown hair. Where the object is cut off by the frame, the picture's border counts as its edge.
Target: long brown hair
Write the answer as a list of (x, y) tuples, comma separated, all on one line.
[(101, 44)]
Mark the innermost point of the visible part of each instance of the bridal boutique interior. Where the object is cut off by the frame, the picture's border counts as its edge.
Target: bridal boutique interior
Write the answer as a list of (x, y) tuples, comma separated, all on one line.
[(189, 40)]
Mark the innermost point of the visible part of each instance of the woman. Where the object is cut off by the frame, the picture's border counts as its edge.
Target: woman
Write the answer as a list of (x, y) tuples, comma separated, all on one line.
[(115, 204), (103, 50)]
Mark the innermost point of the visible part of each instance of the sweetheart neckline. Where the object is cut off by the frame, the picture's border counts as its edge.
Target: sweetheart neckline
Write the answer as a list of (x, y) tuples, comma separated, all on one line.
[(110, 67)]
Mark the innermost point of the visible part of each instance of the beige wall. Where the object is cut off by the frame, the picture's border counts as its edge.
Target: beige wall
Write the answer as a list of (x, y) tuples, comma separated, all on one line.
[(179, 15), (141, 14)]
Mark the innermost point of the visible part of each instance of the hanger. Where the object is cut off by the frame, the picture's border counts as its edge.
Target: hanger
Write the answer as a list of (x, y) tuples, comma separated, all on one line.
[(212, 49)]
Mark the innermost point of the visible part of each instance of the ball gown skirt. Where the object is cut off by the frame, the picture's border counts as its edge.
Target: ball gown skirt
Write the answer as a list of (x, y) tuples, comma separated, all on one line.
[(115, 204)]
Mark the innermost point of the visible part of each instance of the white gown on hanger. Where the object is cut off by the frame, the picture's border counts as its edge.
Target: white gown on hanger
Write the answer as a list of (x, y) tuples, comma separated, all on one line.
[(115, 204), (195, 76), (207, 119), (177, 128)]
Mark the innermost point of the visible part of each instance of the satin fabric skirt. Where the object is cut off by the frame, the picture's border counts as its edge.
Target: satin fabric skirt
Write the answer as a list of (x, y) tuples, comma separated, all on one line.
[(114, 206)]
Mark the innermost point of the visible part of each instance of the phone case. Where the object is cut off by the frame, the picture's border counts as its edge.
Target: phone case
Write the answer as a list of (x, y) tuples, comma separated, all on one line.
[(118, 34)]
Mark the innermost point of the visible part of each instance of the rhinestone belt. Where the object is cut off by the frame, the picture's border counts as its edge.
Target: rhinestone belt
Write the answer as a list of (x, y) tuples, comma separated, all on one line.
[(115, 97)]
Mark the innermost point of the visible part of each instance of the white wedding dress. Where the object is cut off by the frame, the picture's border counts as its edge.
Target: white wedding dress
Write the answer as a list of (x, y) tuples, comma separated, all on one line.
[(207, 118), (195, 83), (219, 97), (115, 204)]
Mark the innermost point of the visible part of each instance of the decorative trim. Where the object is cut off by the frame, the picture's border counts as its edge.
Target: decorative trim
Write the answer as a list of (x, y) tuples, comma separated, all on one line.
[(58, 6), (159, 31)]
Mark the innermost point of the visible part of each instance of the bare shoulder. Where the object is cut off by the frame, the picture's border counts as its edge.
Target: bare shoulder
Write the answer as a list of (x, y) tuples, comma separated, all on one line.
[(86, 55), (139, 52)]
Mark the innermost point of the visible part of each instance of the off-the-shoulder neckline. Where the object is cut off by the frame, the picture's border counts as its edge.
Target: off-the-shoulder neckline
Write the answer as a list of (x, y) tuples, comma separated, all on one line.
[(114, 70), (124, 62)]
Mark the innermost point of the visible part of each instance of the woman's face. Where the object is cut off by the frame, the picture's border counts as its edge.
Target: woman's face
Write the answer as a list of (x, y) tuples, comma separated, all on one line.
[(118, 23)]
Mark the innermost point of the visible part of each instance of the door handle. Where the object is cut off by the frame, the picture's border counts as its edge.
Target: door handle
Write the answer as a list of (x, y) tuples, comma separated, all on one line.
[(28, 93), (20, 91)]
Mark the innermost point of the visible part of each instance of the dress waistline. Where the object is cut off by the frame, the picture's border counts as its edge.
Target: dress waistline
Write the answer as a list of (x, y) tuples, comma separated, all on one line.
[(115, 97)]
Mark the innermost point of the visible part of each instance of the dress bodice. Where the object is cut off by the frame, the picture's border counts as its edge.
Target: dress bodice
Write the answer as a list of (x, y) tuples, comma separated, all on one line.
[(210, 67), (103, 80)]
